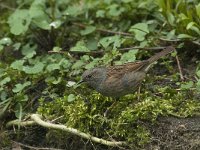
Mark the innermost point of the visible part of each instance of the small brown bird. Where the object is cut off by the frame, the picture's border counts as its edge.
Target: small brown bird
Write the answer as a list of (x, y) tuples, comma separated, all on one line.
[(119, 80)]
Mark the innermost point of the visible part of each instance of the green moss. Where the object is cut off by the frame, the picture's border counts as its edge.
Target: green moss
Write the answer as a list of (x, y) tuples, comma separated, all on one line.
[(126, 120)]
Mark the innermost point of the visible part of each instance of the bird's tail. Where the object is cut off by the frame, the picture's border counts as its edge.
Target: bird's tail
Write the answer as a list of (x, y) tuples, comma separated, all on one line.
[(164, 52)]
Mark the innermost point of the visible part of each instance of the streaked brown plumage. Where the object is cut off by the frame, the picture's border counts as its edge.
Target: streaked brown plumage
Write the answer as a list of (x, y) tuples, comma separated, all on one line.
[(119, 80)]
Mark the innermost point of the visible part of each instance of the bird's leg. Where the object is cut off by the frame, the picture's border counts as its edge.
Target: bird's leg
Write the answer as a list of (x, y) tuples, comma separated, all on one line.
[(138, 92), (111, 107)]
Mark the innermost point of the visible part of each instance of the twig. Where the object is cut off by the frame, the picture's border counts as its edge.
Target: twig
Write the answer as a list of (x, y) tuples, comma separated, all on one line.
[(141, 48), (104, 30), (22, 123), (37, 148), (57, 118), (37, 119), (102, 51), (170, 40), (179, 68), (57, 52)]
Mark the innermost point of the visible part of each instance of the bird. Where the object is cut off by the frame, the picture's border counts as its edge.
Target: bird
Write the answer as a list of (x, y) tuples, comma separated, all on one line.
[(119, 80)]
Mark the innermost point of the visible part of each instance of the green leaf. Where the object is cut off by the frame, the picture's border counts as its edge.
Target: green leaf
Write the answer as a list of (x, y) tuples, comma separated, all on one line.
[(170, 18), (57, 49), (3, 96), (55, 24), (57, 81), (5, 80), (37, 68), (78, 64), (184, 36), (52, 67), (73, 11), (198, 9), (100, 13), (92, 44), (88, 30), (18, 65), (198, 73), (187, 85), (19, 87), (38, 14), (140, 30), (64, 63), (107, 41), (80, 47), (71, 98), (115, 10), (5, 41), (129, 56), (190, 25), (29, 51), (19, 21)]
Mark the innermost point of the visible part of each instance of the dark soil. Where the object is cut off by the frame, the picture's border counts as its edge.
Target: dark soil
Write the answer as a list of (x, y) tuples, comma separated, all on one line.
[(175, 134)]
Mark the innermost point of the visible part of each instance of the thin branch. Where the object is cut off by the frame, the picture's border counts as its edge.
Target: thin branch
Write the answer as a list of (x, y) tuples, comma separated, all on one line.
[(22, 123), (170, 40), (104, 30), (141, 48), (38, 120), (179, 68), (102, 51)]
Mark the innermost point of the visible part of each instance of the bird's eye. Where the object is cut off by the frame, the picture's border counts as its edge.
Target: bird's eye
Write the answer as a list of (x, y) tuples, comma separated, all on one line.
[(89, 76)]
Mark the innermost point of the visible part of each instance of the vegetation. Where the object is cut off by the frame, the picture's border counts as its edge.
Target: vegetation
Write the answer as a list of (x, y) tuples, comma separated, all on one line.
[(45, 45)]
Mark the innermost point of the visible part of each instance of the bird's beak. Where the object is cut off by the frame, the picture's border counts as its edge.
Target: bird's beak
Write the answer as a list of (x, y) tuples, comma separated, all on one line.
[(78, 84), (81, 81)]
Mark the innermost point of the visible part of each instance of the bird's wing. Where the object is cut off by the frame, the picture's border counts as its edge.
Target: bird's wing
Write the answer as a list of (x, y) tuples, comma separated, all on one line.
[(119, 70)]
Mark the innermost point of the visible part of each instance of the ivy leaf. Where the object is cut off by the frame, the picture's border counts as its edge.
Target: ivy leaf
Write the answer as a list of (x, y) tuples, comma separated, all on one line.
[(71, 98), (19, 21), (88, 30), (19, 87), (80, 47), (37, 68), (18, 65)]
